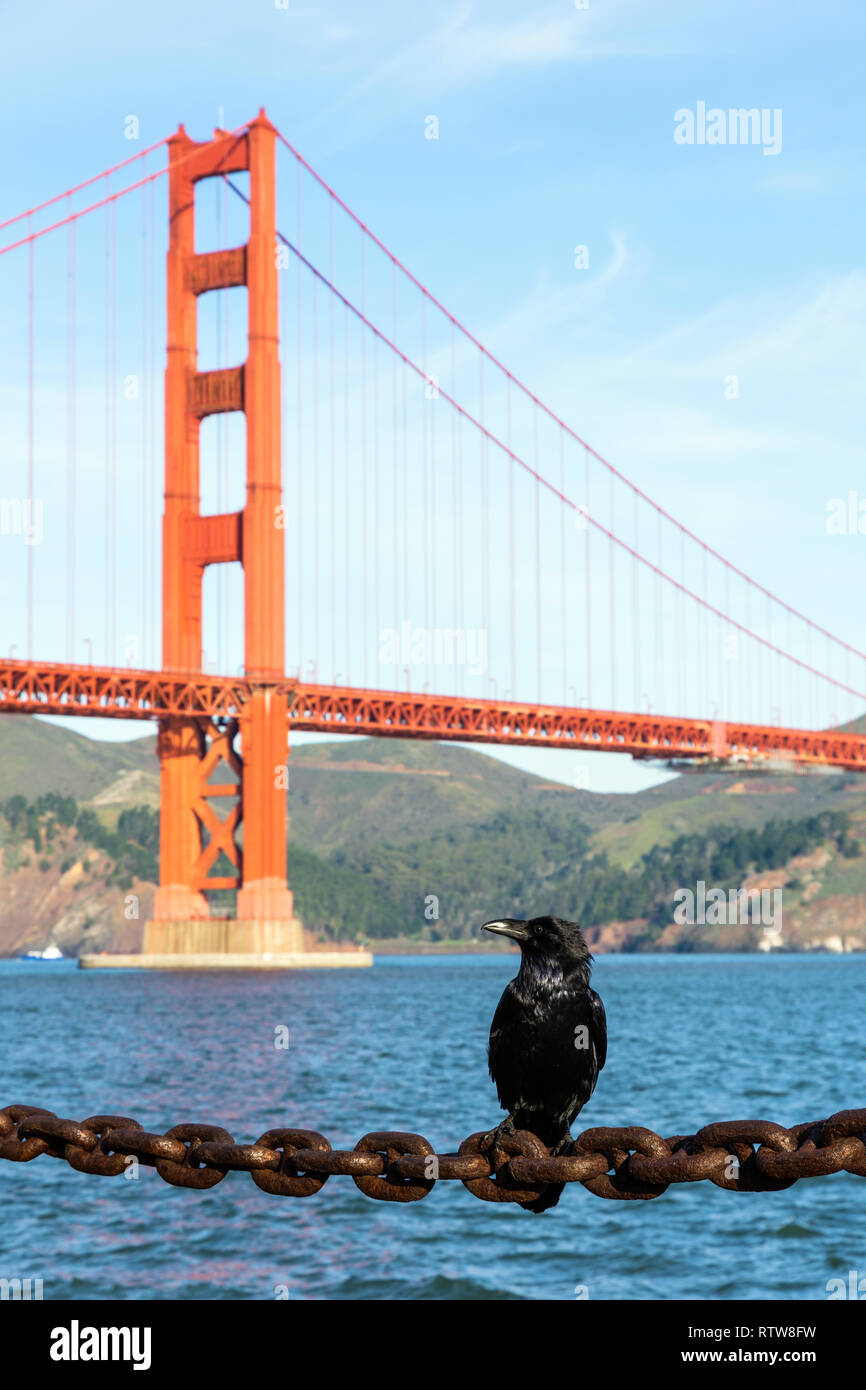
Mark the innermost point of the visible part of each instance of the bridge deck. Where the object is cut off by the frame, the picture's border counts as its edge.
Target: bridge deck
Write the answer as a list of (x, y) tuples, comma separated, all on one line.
[(108, 692)]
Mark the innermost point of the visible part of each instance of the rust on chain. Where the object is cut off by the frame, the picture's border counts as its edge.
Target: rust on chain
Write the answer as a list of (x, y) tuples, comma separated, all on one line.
[(503, 1185), (394, 1187), (93, 1156), (287, 1178), (189, 1171), (626, 1163), (616, 1145)]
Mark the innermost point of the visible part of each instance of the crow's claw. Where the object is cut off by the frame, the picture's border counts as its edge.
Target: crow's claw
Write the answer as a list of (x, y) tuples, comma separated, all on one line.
[(493, 1138)]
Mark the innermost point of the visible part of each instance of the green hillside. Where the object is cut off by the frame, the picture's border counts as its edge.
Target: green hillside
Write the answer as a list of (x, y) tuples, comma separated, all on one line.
[(38, 757), (421, 841)]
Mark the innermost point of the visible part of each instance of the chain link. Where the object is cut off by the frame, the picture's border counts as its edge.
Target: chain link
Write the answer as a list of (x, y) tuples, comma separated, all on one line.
[(626, 1164)]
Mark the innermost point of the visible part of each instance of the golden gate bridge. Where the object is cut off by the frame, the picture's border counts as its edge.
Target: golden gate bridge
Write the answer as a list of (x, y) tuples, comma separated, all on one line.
[(459, 563)]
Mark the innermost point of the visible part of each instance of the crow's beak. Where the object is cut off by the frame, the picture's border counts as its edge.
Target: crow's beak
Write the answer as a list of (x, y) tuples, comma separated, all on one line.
[(507, 927)]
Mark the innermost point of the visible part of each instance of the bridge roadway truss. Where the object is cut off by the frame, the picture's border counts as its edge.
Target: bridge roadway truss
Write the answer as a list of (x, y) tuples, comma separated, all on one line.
[(107, 692)]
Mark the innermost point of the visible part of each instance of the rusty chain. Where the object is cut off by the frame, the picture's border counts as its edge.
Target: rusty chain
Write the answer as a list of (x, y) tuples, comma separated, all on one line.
[(627, 1163)]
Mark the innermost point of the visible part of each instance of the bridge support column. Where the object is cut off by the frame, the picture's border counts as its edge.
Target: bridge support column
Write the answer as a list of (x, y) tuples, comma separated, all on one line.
[(178, 896), (200, 850), (264, 894)]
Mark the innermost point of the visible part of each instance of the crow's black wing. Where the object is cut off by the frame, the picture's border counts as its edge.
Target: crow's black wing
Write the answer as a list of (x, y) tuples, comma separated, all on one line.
[(598, 1027), (506, 1050)]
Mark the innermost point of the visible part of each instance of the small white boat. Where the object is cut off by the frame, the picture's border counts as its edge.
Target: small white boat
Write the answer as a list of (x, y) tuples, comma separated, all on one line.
[(50, 953)]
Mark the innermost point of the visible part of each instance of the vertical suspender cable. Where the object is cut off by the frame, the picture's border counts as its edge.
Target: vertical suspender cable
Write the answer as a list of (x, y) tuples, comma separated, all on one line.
[(512, 551), (107, 408), (346, 499), (433, 528), (681, 625), (612, 604), (31, 349), (727, 712), (113, 464), (425, 517), (564, 585), (705, 664), (660, 624), (156, 604), (791, 710), (364, 519), (636, 608), (537, 549), (461, 568), (811, 681), (485, 520), (143, 419), (299, 462), (316, 509), (588, 580), (405, 527), (454, 491), (333, 497), (377, 563), (71, 297), (395, 480)]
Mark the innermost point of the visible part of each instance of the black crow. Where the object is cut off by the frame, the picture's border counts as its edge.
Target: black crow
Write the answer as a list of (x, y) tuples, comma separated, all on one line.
[(548, 1038)]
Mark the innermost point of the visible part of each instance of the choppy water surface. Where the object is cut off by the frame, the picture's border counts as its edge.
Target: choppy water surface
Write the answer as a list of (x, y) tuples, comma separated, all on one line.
[(402, 1046)]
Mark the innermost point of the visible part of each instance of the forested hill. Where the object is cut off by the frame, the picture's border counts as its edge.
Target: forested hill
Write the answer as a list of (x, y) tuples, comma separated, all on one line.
[(404, 842)]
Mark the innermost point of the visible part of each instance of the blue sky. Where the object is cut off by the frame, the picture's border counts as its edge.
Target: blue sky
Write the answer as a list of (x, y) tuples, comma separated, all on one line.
[(556, 129)]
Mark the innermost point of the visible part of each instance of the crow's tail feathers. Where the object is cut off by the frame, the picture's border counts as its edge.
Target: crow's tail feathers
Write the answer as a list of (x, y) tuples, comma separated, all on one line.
[(552, 1193)]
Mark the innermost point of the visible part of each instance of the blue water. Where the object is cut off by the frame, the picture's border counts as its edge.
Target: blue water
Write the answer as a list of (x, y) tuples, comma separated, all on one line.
[(402, 1046)]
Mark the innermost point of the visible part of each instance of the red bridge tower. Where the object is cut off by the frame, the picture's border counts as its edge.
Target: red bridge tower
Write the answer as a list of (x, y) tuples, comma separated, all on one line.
[(253, 747)]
